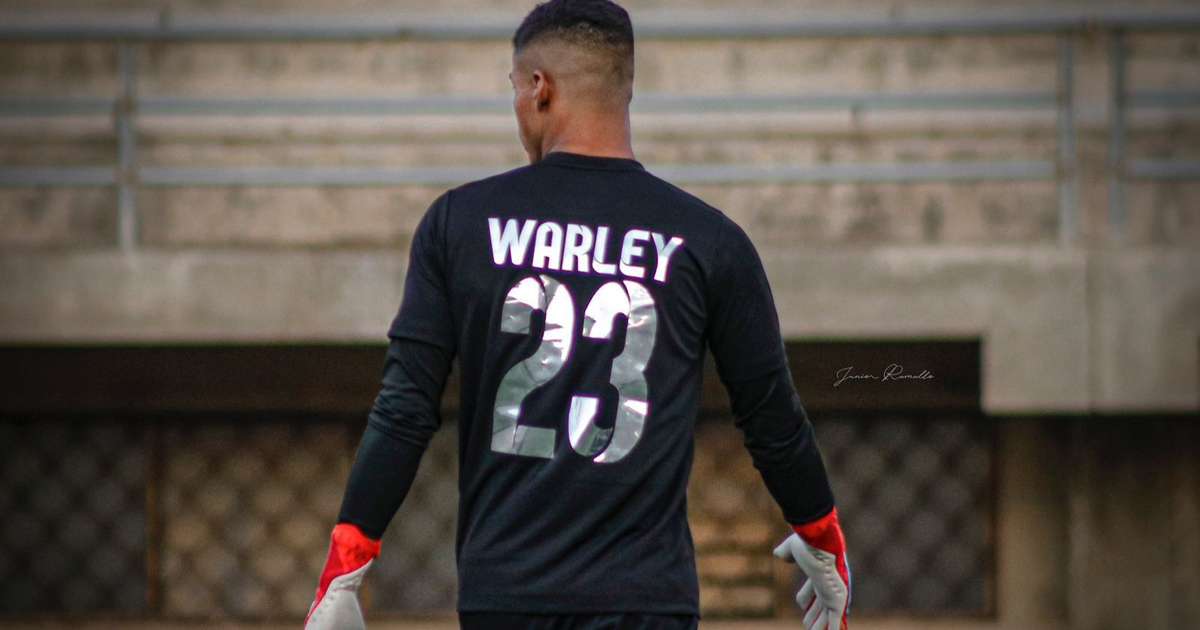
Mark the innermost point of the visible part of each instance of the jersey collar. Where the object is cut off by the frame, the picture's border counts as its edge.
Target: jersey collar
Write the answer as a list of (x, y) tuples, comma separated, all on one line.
[(578, 160)]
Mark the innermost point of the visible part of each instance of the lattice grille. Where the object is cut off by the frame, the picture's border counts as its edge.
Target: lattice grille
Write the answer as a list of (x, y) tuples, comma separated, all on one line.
[(73, 534), (733, 519), (247, 509), (916, 493)]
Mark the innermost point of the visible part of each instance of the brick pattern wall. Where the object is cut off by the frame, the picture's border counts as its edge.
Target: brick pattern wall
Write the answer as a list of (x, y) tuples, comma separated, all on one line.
[(734, 524)]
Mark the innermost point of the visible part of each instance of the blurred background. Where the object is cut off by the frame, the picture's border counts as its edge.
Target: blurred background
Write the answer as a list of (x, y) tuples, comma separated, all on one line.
[(205, 209)]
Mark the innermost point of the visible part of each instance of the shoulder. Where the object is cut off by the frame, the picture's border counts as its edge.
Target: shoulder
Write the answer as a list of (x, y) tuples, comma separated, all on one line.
[(500, 183), (721, 230), (688, 202), (458, 201)]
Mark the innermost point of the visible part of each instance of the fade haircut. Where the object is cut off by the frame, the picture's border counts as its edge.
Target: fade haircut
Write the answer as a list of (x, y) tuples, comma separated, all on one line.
[(598, 27)]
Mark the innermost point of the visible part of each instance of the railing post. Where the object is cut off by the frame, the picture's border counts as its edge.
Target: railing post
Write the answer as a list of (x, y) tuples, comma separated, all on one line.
[(1116, 135), (1068, 177), (123, 118)]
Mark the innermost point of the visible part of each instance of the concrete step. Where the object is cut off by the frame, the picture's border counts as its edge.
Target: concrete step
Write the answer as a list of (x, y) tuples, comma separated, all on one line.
[(492, 140), (659, 139), (776, 216), (480, 68)]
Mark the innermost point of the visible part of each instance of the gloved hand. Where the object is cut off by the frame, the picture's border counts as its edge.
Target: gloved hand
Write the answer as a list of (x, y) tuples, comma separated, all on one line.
[(350, 556), (819, 548)]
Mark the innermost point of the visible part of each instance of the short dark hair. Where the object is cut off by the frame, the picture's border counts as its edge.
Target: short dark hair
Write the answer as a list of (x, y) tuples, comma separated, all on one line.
[(594, 24)]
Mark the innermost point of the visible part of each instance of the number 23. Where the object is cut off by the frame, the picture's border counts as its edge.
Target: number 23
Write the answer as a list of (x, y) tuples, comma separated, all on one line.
[(543, 293)]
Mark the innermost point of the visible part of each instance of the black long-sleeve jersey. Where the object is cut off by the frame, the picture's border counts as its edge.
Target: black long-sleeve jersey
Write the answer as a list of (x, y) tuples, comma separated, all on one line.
[(580, 294)]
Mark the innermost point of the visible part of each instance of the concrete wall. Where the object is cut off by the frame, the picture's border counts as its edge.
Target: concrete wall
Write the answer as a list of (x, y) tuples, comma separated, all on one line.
[(1099, 521), (1107, 323)]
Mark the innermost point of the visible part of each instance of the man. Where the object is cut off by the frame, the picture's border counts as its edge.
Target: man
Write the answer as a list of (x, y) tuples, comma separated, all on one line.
[(579, 294)]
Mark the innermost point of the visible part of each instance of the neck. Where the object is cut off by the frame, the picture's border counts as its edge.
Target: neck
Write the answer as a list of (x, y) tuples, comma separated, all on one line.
[(602, 135)]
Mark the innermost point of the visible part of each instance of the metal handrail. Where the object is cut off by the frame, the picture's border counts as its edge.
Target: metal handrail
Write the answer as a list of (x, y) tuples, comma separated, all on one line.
[(83, 176), (1164, 169)]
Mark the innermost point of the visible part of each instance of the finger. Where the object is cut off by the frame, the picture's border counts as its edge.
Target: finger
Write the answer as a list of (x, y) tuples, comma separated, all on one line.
[(837, 615), (813, 616), (810, 621), (784, 551), (806, 596), (828, 621), (822, 618)]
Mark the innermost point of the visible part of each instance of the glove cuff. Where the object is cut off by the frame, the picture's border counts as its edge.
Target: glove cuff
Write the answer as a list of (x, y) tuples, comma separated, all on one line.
[(824, 533), (349, 550)]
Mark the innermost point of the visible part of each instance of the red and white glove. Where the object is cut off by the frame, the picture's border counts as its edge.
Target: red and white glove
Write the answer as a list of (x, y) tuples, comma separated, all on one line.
[(351, 553), (819, 548)]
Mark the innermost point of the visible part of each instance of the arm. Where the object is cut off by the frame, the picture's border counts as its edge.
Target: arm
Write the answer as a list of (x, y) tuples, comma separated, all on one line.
[(399, 427), (746, 342), (784, 450), (781, 443), (402, 420)]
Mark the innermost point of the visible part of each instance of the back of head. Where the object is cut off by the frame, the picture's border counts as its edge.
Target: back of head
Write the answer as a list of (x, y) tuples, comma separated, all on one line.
[(589, 41)]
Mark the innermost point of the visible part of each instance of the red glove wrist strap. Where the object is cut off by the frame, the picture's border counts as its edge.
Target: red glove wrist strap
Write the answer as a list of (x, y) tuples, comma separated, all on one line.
[(349, 550), (824, 533)]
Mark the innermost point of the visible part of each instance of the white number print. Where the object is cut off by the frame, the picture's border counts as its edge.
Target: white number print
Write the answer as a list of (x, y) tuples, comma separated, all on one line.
[(543, 293), (529, 295)]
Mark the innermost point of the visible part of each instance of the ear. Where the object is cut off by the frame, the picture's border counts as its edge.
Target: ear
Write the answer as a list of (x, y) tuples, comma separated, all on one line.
[(543, 90)]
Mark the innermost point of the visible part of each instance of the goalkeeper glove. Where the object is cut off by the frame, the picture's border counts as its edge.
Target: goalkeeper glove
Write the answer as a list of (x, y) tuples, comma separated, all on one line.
[(336, 605), (819, 548)]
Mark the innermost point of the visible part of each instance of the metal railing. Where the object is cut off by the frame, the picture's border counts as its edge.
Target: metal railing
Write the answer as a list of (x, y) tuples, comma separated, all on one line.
[(130, 31)]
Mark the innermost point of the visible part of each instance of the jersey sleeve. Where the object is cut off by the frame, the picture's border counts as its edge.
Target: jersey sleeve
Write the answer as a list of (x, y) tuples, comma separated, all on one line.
[(743, 326), (746, 343), (782, 444), (425, 314), (402, 421)]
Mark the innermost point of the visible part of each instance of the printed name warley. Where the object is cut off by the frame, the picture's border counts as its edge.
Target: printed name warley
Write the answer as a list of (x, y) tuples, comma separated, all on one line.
[(580, 248)]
